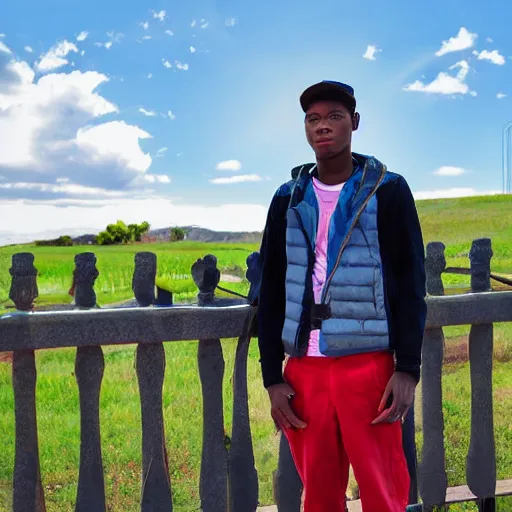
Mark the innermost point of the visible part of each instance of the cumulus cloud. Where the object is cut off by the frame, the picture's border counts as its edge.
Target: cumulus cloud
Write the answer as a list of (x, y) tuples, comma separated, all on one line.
[(501, 95), (56, 57), (145, 25), (462, 41), (242, 178), (204, 24), (192, 49), (4, 48), (495, 57), (157, 178), (169, 32), (171, 116), (445, 83), (490, 40), (150, 75), (179, 65), (161, 152), (166, 63), (229, 165), (148, 113), (447, 170), (371, 51), (193, 24), (54, 127), (159, 15), (82, 36), (28, 49), (231, 22)]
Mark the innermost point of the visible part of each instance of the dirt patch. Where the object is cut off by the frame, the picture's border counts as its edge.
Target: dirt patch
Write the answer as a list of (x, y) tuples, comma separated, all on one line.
[(456, 350), (5, 357), (503, 394), (228, 278)]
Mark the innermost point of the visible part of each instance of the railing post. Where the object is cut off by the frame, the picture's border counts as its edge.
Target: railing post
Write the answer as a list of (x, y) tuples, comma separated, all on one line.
[(28, 494), (150, 364), (481, 459), (89, 367), (243, 477), (433, 481), (213, 486)]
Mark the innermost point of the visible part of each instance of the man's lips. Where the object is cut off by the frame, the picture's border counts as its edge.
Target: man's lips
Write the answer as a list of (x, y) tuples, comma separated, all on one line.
[(324, 142)]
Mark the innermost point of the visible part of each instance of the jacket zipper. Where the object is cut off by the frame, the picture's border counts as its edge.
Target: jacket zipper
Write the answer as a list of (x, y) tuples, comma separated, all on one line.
[(347, 237)]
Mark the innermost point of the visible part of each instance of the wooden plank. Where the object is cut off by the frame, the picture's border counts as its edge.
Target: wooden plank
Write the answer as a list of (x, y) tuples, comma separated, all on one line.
[(89, 368), (243, 477), (156, 487), (287, 483), (28, 494), (432, 473), (56, 329), (213, 486)]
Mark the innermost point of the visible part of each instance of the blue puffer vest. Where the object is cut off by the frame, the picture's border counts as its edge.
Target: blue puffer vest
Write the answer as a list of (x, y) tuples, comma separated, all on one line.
[(354, 314)]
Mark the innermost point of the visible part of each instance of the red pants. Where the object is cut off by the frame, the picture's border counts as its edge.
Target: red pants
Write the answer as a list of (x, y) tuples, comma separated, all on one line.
[(338, 399)]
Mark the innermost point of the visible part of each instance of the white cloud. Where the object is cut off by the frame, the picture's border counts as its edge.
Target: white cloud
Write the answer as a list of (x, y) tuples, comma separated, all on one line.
[(161, 152), (462, 41), (449, 193), (68, 189), (501, 95), (171, 116), (53, 126), (169, 32), (150, 75), (229, 165), (145, 25), (489, 40), (192, 49), (82, 53), (444, 83), (4, 48), (370, 52), (55, 57), (193, 24), (159, 15), (447, 170), (28, 49), (204, 24), (242, 178), (108, 45), (144, 38), (495, 57), (166, 63), (2, 35), (33, 218), (82, 36), (231, 22), (179, 65), (157, 178), (148, 113)]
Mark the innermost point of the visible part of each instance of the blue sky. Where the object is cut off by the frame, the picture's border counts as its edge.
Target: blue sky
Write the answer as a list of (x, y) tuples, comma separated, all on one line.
[(187, 112)]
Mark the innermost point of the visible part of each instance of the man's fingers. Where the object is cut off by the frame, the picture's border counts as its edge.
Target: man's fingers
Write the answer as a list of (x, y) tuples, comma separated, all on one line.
[(280, 419), (385, 397), (291, 417)]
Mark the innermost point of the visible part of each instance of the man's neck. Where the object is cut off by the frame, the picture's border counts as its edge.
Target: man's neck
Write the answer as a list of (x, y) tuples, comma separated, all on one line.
[(337, 169)]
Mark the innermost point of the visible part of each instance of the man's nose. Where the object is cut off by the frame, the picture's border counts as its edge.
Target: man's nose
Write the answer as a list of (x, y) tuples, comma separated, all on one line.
[(323, 129)]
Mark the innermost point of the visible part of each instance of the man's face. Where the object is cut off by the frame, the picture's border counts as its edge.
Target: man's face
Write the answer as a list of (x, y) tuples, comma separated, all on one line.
[(329, 127)]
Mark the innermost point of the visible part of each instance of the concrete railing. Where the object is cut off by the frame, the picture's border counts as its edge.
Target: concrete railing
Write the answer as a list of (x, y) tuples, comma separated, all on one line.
[(228, 479)]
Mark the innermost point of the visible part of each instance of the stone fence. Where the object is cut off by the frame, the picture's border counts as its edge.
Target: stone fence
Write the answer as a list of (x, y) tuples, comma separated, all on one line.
[(228, 479)]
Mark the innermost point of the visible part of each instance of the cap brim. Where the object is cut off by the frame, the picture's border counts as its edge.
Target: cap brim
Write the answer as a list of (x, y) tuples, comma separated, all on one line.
[(326, 90)]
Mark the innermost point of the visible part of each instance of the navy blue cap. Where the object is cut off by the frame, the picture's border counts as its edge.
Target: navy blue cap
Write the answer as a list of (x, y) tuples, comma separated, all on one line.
[(329, 90)]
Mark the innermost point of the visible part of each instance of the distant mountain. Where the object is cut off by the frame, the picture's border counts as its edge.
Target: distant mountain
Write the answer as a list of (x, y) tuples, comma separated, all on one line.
[(198, 234)]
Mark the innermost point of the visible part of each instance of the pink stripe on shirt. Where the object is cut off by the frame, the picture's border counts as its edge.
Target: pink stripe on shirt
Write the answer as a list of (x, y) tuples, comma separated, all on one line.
[(327, 197)]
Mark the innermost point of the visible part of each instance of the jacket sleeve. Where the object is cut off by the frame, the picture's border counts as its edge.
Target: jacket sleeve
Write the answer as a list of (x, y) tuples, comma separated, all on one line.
[(271, 303), (407, 259)]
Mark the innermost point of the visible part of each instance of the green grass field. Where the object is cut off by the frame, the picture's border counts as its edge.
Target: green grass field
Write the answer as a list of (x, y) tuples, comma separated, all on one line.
[(454, 222)]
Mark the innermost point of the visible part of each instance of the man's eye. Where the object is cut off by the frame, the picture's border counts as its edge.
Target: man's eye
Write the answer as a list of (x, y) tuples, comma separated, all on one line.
[(335, 117), (312, 120)]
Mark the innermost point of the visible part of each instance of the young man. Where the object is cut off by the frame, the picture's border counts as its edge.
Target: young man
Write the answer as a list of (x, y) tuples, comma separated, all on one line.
[(343, 296)]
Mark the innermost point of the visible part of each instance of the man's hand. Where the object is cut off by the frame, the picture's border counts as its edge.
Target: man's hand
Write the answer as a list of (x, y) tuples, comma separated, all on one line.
[(282, 413), (401, 386)]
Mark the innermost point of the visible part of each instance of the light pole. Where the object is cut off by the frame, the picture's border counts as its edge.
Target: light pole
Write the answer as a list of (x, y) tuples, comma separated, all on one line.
[(506, 158)]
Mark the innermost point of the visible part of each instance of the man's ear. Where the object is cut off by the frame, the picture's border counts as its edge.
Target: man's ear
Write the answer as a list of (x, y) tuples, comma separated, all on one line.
[(355, 121)]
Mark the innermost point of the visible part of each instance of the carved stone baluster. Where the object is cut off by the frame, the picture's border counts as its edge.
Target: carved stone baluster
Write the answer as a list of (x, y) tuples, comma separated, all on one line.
[(433, 481), (481, 459), (28, 494), (243, 477), (89, 367), (287, 483), (156, 485), (213, 487)]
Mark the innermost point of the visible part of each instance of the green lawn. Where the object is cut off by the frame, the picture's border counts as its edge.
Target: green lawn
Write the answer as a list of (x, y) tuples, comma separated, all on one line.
[(454, 222)]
